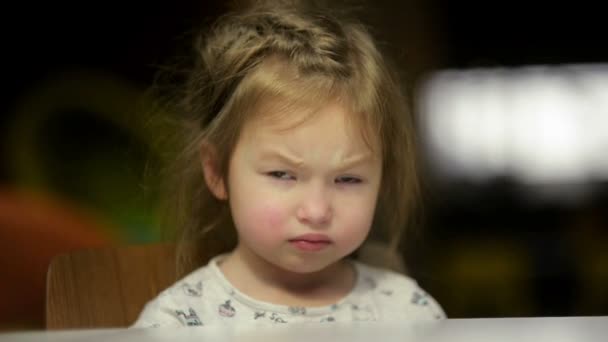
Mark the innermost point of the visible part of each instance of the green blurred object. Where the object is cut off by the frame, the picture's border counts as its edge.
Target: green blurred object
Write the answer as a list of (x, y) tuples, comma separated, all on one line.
[(86, 136)]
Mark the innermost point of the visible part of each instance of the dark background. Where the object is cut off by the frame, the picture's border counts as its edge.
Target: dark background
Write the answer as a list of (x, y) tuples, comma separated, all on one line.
[(484, 251)]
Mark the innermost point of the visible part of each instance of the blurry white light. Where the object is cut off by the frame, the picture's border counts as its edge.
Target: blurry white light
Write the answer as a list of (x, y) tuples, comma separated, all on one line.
[(541, 125)]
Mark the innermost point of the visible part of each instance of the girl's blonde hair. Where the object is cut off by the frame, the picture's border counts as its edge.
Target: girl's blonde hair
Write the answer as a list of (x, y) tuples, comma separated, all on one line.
[(284, 57)]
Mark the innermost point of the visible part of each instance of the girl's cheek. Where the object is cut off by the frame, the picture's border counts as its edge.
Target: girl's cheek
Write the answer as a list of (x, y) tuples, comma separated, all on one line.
[(274, 218), (267, 219), (356, 225)]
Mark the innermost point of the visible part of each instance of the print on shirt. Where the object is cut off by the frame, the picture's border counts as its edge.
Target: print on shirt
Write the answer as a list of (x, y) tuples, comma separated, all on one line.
[(276, 318), (297, 310), (328, 319), (422, 299), (370, 282), (191, 319), (362, 313), (387, 292), (193, 291), (419, 299), (226, 309)]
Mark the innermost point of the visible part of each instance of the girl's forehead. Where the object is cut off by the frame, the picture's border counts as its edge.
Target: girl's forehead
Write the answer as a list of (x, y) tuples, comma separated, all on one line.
[(275, 96), (287, 121), (279, 116)]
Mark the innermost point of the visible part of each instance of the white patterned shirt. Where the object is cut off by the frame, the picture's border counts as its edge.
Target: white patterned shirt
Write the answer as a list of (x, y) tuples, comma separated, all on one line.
[(206, 297)]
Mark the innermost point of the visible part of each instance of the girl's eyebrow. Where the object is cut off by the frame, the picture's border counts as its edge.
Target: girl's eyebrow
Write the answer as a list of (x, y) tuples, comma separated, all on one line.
[(283, 157), (294, 161), (355, 160)]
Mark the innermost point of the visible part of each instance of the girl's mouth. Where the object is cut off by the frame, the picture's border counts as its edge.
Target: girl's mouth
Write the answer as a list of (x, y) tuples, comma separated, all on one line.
[(310, 242)]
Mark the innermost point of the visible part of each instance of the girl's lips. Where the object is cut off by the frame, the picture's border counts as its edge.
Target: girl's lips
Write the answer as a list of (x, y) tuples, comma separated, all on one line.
[(312, 238), (310, 242)]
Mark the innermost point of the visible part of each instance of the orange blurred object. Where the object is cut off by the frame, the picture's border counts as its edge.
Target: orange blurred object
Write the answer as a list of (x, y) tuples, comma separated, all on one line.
[(33, 229)]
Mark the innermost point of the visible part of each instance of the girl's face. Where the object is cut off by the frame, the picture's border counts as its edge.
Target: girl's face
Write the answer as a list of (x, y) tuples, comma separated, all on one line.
[(303, 197)]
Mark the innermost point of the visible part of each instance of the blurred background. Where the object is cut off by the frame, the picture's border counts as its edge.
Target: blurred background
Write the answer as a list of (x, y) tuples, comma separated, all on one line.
[(510, 99)]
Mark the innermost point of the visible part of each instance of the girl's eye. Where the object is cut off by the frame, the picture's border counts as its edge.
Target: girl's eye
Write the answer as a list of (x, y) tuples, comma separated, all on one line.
[(348, 180), (280, 175)]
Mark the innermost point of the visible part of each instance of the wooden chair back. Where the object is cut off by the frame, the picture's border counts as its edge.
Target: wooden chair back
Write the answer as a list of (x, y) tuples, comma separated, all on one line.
[(106, 287)]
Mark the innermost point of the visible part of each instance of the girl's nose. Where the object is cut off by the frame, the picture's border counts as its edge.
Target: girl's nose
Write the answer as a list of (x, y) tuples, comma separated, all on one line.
[(315, 208)]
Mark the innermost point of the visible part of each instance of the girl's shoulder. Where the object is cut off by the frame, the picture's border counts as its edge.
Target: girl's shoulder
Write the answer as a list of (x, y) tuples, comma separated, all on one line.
[(192, 284), (397, 294), (382, 276), (180, 303)]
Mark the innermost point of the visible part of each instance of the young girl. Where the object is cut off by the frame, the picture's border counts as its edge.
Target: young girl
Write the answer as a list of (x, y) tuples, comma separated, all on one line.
[(299, 144)]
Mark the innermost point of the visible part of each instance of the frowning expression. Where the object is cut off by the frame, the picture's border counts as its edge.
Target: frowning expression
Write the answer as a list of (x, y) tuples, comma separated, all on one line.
[(303, 196)]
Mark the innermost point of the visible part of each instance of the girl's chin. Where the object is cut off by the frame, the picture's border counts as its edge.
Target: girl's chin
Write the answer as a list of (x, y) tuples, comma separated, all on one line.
[(303, 266)]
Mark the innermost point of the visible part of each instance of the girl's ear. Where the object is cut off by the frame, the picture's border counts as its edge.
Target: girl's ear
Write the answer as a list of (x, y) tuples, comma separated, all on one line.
[(213, 178)]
